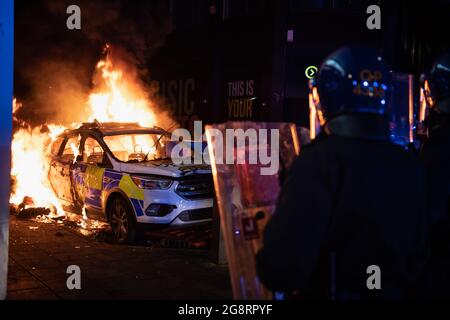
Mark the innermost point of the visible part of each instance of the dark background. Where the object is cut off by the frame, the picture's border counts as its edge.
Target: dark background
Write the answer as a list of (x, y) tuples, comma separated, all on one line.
[(194, 48)]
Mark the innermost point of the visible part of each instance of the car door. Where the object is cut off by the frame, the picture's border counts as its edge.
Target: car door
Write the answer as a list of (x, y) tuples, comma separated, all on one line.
[(61, 169), (88, 175), (53, 175)]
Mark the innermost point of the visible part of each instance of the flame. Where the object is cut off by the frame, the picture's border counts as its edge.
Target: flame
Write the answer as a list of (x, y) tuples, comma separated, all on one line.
[(83, 222), (75, 149), (55, 131), (16, 105), (30, 164), (118, 97)]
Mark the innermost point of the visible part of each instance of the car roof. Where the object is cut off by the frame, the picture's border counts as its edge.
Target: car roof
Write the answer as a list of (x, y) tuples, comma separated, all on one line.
[(114, 128)]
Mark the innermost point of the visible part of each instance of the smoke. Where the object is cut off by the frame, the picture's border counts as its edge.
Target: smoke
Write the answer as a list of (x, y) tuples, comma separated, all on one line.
[(139, 26), (55, 67), (58, 92)]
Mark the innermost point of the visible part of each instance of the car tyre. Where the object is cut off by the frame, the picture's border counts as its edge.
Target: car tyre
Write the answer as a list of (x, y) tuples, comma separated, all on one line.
[(123, 222)]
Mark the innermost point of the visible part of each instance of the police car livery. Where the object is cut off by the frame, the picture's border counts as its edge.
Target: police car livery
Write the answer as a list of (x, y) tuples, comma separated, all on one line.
[(122, 173)]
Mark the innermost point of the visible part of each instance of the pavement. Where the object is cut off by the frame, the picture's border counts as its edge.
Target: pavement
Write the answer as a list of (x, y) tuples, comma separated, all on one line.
[(40, 253)]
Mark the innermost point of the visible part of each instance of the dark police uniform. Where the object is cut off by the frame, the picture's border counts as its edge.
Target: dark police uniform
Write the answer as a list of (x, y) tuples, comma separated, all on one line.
[(435, 155), (351, 200)]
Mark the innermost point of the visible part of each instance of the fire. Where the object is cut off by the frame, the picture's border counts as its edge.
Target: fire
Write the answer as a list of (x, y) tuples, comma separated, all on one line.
[(30, 165), (55, 131), (83, 222), (16, 105), (75, 149), (117, 97)]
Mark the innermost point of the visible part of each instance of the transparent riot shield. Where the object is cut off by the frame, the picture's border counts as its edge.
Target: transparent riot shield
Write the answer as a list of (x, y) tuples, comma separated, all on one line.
[(246, 193), (403, 111)]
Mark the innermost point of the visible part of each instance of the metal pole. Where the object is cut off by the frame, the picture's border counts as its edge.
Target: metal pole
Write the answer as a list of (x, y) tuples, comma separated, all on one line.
[(6, 92)]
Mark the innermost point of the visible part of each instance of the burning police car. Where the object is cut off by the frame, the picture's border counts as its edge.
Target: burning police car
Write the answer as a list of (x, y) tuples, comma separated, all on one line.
[(121, 173)]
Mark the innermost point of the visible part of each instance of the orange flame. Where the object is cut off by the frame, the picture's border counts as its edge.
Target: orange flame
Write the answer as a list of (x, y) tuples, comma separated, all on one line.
[(122, 100), (30, 164), (118, 98)]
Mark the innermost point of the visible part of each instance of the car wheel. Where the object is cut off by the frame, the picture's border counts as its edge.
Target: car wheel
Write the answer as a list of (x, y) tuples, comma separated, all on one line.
[(123, 222)]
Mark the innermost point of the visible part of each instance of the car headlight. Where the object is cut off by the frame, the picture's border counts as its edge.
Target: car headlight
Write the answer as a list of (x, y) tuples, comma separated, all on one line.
[(147, 183)]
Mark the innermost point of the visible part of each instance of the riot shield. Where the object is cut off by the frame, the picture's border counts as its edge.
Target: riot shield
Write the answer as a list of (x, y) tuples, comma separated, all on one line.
[(403, 112), (246, 193)]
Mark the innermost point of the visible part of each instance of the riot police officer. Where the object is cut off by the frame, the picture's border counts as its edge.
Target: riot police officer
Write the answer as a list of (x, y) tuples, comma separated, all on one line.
[(436, 149), (350, 221), (435, 155)]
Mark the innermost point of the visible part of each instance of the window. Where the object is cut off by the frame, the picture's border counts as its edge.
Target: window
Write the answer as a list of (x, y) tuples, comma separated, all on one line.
[(71, 149), (137, 147), (56, 145), (93, 152)]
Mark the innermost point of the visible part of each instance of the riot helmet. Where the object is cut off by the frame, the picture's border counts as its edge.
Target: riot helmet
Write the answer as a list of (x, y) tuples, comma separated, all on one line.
[(351, 92)]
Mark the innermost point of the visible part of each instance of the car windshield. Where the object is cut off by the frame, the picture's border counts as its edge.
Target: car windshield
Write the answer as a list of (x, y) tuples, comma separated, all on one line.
[(137, 147)]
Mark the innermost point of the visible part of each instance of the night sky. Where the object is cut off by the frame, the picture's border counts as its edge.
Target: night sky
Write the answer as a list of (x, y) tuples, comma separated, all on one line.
[(52, 62)]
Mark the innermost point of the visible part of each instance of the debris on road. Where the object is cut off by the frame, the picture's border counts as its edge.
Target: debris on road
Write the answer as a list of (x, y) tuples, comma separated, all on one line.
[(30, 213)]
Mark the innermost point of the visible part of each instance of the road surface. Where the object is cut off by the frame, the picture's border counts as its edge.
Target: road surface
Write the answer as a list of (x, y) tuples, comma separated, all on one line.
[(40, 254)]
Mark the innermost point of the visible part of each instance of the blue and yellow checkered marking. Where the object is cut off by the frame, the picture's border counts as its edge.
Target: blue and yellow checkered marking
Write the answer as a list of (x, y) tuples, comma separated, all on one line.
[(93, 183)]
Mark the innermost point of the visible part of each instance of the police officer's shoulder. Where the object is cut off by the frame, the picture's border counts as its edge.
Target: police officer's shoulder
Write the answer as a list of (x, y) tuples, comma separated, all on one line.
[(311, 147), (317, 151), (321, 142), (405, 155)]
